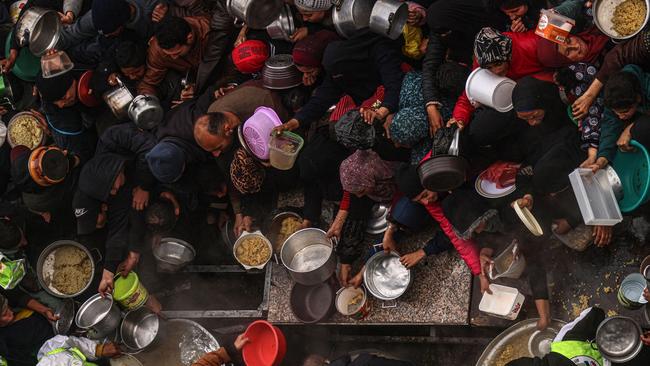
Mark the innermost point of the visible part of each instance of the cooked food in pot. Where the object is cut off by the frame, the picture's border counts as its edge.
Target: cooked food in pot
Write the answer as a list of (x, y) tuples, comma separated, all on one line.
[(71, 269), (253, 251), (288, 226), (629, 16), (26, 131)]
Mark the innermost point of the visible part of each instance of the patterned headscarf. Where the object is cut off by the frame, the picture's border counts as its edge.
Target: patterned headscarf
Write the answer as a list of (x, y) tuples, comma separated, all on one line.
[(366, 171), (491, 46), (246, 174)]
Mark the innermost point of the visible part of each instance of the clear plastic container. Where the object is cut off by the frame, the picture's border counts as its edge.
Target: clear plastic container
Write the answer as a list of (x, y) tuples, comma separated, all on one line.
[(596, 198), (284, 149), (55, 64)]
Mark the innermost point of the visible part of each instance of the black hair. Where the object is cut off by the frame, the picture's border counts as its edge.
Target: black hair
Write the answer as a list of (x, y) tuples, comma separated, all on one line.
[(505, 4), (209, 177), (129, 54), (451, 79), (160, 217), (216, 120), (566, 78), (10, 234), (55, 164), (622, 90), (173, 32)]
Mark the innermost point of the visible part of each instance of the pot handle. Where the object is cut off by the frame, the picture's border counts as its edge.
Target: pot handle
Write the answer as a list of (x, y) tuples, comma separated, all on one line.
[(378, 245), (337, 4), (392, 304), (99, 254), (453, 148), (238, 23), (391, 17)]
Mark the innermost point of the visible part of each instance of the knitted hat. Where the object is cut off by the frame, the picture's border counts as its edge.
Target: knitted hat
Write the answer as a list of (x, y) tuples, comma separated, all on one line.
[(166, 161), (109, 15), (249, 57), (53, 88), (313, 5), (309, 51)]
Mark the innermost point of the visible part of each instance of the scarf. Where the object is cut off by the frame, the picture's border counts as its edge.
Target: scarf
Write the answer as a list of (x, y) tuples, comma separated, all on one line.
[(492, 46), (366, 171), (549, 56)]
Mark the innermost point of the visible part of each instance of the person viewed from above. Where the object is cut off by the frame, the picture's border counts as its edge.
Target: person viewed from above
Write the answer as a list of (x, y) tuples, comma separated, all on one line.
[(72, 351), (308, 55), (522, 14), (316, 16)]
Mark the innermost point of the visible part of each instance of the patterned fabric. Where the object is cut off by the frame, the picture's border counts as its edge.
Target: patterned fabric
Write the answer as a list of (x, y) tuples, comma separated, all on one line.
[(365, 172), (246, 174), (491, 46), (590, 125)]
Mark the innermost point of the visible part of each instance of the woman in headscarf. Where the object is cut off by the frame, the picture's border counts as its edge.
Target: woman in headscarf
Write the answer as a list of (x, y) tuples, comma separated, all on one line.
[(308, 55)]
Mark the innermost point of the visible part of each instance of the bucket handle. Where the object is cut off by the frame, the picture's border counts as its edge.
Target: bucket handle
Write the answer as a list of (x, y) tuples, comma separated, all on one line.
[(99, 254), (337, 4), (392, 304), (391, 17)]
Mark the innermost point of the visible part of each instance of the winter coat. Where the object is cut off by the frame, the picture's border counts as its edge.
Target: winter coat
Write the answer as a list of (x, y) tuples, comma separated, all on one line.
[(634, 51), (523, 62), (20, 341), (84, 345)]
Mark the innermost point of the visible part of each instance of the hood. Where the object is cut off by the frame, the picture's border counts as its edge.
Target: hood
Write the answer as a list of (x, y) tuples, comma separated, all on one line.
[(98, 175)]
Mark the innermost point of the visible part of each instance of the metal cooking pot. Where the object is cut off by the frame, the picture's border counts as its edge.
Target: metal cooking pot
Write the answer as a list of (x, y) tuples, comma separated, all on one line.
[(173, 254), (119, 99), (385, 276), (350, 16), (65, 312), (444, 172), (619, 339), (99, 316), (283, 27), (276, 225), (257, 14), (41, 262), (145, 111), (309, 256), (615, 182), (280, 72), (312, 304), (605, 8), (139, 328), (39, 28), (388, 18)]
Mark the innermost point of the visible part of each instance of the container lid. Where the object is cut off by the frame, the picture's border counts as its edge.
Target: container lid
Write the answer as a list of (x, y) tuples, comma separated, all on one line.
[(529, 220)]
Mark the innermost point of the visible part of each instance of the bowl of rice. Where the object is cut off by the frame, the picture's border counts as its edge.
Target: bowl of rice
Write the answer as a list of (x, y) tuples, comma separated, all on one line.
[(24, 129), (65, 269), (621, 19)]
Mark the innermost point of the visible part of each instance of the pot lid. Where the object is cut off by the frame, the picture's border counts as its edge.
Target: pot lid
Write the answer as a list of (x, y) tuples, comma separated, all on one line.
[(378, 222), (65, 312), (618, 338), (528, 219), (84, 90)]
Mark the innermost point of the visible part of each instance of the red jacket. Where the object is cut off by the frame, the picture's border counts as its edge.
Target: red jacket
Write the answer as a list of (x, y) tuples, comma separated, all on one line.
[(523, 62)]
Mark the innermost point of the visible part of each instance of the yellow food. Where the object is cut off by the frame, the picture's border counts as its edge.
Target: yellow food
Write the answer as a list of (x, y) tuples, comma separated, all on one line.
[(288, 226), (355, 300), (72, 270), (629, 16), (26, 131), (253, 251)]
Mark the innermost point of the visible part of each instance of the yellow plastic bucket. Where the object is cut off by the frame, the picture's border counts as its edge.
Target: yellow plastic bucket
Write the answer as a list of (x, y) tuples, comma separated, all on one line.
[(129, 292)]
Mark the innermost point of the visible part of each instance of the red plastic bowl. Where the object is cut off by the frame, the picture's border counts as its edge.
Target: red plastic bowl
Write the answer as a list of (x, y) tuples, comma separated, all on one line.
[(267, 345), (83, 90)]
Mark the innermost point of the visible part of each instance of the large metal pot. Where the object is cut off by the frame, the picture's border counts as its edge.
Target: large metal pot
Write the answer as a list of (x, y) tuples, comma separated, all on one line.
[(39, 28), (283, 27), (173, 254), (603, 11), (145, 111), (257, 14), (99, 316), (444, 172), (350, 16), (118, 100), (40, 264), (385, 276), (139, 328), (309, 256), (388, 18), (619, 339)]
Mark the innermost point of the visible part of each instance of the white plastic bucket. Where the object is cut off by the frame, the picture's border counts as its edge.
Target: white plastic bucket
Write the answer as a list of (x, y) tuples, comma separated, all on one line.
[(504, 302), (490, 90)]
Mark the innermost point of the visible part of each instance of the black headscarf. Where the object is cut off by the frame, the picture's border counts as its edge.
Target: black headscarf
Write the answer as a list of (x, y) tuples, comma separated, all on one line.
[(530, 94)]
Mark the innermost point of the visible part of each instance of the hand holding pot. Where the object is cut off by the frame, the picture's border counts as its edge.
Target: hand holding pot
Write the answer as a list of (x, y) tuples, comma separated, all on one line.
[(106, 284), (159, 12), (241, 341), (645, 338), (344, 274), (525, 202), (129, 263), (109, 350)]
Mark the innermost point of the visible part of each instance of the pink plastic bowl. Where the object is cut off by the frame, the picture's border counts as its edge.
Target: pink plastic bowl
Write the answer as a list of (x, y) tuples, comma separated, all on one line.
[(257, 131)]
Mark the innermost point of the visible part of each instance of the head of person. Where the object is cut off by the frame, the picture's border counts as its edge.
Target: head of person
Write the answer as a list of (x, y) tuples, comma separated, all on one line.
[(175, 37), (131, 59), (60, 90), (493, 51), (6, 314), (555, 55), (249, 57), (214, 132), (211, 181), (512, 8), (469, 213), (160, 216), (246, 174), (364, 173), (111, 16), (451, 77), (166, 161), (529, 99), (313, 11), (408, 182), (11, 236), (623, 94), (308, 52)]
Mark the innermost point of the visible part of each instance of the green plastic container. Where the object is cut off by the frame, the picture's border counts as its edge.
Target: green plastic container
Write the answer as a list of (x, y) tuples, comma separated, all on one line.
[(27, 65), (633, 170), (129, 292), (569, 111)]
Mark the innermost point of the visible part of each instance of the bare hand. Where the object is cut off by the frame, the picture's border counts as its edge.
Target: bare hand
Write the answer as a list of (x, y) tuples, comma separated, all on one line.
[(128, 264), (187, 93), (460, 124), (590, 161), (49, 315), (485, 284), (290, 125), (335, 230), (344, 274), (645, 338), (602, 235), (309, 79), (242, 223), (486, 263), (300, 33), (140, 198), (525, 202), (241, 341), (357, 280), (172, 198), (8, 63), (435, 119), (517, 26), (241, 37), (106, 284), (411, 259), (581, 106), (414, 17), (389, 244), (159, 12), (646, 294), (111, 350), (623, 141), (223, 91)]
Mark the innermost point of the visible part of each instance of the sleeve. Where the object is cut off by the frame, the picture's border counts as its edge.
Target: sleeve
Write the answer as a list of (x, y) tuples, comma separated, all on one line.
[(345, 201), (85, 345), (570, 8), (388, 62), (433, 58), (16, 297), (467, 249), (610, 129), (214, 358), (118, 230), (634, 51), (72, 5), (325, 96), (154, 75), (217, 47), (77, 32), (463, 110), (590, 125), (351, 245)]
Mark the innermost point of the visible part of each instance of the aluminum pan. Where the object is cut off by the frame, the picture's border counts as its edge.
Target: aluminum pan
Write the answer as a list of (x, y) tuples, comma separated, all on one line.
[(385, 277)]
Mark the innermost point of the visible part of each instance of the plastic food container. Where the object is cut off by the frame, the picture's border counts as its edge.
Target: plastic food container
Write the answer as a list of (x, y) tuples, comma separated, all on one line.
[(284, 149), (510, 263), (595, 197), (490, 89), (504, 302), (553, 26)]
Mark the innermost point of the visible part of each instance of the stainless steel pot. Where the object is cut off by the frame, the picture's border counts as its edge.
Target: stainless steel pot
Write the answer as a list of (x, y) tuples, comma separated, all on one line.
[(257, 14), (618, 339), (385, 276), (99, 316), (65, 311), (145, 111), (118, 100), (173, 254), (39, 28), (309, 256), (603, 11), (139, 328), (350, 16), (444, 172), (388, 18), (283, 27), (42, 276)]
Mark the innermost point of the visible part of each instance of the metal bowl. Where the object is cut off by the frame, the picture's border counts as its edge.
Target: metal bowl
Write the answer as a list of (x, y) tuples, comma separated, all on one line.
[(65, 312), (385, 276), (173, 254), (604, 10), (539, 344), (139, 328), (378, 222), (280, 72), (283, 27), (619, 339), (42, 275)]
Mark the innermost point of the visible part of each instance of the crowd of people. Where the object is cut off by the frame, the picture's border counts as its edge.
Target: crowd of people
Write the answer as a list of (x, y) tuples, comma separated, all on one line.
[(369, 109)]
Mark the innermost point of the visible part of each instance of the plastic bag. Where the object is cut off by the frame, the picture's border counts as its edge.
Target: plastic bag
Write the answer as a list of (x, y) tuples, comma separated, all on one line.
[(412, 39), (11, 272)]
